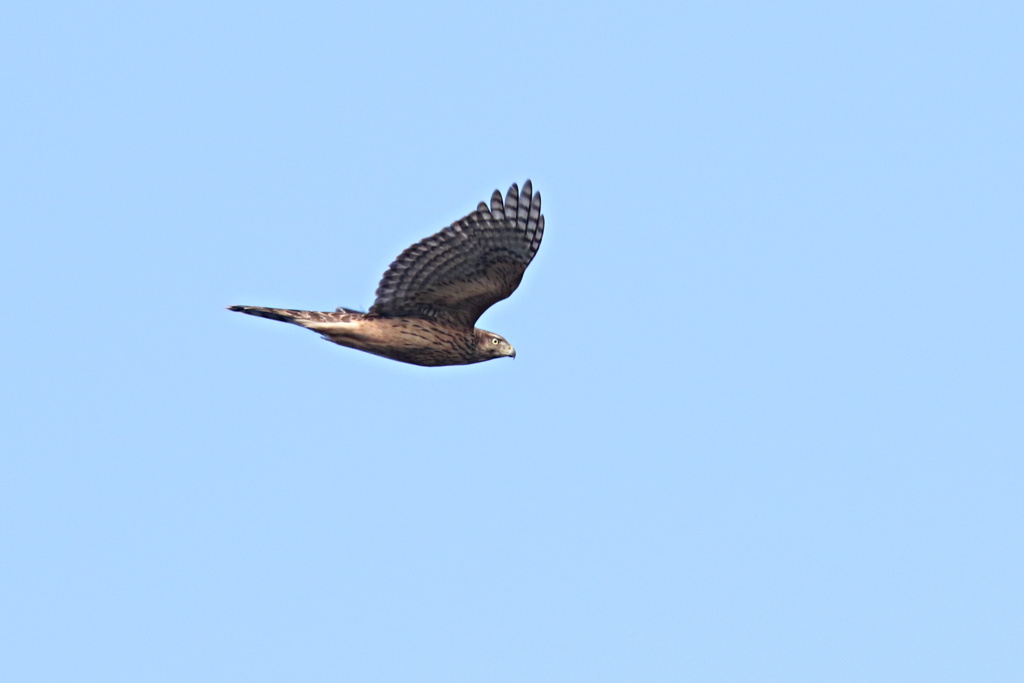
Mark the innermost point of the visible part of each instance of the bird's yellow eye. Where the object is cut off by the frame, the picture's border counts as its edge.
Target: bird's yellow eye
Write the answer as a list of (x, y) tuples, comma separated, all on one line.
[(494, 340)]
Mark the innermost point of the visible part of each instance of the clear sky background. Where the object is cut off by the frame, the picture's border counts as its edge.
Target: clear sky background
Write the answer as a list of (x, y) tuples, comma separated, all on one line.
[(767, 418)]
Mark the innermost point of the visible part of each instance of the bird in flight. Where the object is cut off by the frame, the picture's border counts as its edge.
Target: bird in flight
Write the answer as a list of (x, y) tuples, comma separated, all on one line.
[(431, 296)]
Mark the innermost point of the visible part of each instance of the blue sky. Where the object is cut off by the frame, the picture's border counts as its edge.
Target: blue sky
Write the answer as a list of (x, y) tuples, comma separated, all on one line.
[(765, 423)]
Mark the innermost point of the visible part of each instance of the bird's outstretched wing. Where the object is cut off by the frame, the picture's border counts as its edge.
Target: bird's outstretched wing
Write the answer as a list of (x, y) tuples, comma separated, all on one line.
[(460, 272)]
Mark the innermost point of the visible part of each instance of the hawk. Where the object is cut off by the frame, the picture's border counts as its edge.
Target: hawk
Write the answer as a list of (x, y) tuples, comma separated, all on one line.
[(431, 296)]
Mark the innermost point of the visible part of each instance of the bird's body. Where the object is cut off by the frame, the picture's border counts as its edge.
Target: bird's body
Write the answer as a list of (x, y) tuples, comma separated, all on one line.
[(410, 340), (430, 298)]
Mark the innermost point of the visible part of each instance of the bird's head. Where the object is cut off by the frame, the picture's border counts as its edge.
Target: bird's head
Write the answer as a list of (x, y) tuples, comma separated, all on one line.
[(490, 345)]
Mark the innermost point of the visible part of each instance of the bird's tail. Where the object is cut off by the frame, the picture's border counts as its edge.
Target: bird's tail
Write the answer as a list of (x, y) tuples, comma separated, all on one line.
[(286, 315)]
